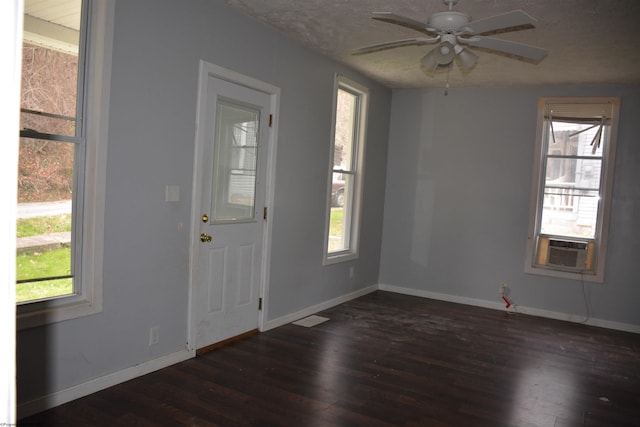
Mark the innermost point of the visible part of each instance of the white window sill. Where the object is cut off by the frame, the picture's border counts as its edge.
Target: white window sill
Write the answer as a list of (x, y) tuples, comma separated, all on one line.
[(549, 272)]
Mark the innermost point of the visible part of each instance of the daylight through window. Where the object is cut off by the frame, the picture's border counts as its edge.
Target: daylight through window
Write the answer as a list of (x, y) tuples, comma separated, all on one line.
[(572, 198), (346, 171), (62, 159), (50, 147)]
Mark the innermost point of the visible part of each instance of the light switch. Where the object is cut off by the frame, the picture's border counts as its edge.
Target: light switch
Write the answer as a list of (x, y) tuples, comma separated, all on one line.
[(172, 193)]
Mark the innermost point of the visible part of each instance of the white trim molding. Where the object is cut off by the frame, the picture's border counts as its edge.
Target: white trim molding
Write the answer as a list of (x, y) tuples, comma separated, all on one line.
[(84, 389), (271, 324)]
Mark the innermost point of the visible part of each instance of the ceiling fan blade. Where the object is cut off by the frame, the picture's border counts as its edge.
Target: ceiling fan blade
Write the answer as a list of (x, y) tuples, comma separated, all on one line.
[(388, 45), (514, 18), (506, 46), (392, 18)]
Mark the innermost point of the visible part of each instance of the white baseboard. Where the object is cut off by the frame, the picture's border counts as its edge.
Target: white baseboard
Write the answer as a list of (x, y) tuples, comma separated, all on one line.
[(601, 323), (532, 311), (49, 401), (441, 297), (63, 396), (318, 307)]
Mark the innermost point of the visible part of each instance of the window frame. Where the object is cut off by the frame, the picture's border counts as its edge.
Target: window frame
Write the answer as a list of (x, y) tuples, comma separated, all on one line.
[(598, 248), (94, 74), (353, 207)]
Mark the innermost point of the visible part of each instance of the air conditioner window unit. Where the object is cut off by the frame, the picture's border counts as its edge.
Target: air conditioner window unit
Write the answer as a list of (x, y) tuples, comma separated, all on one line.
[(558, 253), (567, 254)]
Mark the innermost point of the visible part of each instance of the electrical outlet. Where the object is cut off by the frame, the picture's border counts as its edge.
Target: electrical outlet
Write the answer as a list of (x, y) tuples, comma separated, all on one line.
[(350, 272), (503, 288), (154, 335)]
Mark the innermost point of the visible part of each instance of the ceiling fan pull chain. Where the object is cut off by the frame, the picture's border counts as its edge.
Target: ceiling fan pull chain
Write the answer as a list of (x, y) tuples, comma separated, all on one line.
[(446, 87)]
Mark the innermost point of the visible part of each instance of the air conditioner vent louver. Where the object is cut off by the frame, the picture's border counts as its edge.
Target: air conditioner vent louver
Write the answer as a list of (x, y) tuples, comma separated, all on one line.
[(570, 254)]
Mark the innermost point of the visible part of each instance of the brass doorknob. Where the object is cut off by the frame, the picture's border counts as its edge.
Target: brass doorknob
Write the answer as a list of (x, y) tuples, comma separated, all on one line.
[(204, 238)]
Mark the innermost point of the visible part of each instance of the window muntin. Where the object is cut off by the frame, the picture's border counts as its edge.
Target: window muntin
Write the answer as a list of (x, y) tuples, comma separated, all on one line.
[(572, 196), (346, 171)]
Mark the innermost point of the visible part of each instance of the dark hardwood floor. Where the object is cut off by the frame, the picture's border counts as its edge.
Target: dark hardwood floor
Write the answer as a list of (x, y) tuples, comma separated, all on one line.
[(388, 360)]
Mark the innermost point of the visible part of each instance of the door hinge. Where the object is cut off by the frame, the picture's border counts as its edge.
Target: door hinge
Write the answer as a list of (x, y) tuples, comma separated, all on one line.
[(264, 213), (270, 120), (259, 303)]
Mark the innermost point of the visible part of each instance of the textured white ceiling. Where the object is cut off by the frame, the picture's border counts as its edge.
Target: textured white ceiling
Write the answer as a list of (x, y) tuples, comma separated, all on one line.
[(589, 41)]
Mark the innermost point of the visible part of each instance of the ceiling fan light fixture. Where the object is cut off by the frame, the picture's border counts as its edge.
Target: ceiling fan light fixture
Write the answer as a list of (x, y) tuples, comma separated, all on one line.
[(444, 53), (439, 57), (466, 59), (428, 62)]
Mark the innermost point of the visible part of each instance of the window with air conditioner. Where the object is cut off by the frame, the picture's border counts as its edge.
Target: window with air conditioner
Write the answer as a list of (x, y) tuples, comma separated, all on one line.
[(572, 187)]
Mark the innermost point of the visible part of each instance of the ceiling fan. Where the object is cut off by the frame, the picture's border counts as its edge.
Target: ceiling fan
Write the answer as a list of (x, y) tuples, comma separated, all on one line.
[(455, 30)]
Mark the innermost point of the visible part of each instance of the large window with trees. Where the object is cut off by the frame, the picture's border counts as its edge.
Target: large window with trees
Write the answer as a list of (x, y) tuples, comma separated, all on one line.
[(346, 171), (571, 198), (60, 159)]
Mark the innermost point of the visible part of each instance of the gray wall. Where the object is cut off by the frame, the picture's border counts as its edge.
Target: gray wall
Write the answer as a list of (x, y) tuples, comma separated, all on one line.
[(157, 46), (457, 204)]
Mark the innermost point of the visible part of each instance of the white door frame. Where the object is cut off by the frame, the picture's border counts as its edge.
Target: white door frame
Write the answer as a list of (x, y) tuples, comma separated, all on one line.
[(211, 70)]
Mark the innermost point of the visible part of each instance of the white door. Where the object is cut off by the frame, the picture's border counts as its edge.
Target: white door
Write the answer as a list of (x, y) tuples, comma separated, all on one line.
[(231, 222)]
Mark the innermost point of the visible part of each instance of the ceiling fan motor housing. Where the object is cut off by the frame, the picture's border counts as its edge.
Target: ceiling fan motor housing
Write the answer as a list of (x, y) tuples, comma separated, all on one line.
[(449, 21)]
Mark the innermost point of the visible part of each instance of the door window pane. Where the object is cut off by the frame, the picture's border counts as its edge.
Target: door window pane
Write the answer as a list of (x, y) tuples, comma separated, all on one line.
[(235, 162)]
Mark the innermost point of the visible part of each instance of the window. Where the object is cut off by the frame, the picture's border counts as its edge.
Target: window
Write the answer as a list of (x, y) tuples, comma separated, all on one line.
[(235, 162), (571, 196), (345, 173), (62, 159)]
